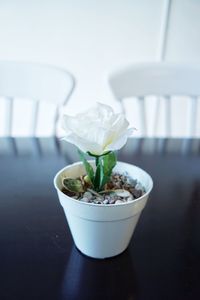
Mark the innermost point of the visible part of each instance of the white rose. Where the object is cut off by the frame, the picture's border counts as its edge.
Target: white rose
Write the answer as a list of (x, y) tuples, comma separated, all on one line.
[(98, 130)]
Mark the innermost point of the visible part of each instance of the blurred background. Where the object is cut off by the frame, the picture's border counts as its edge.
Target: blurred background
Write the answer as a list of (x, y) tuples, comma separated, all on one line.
[(92, 38)]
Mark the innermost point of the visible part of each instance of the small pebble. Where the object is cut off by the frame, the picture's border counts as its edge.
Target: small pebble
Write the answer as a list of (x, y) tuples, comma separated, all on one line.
[(137, 193), (84, 200), (87, 195), (138, 186), (132, 182), (105, 201), (121, 193), (129, 199), (97, 202), (119, 201), (111, 201), (99, 199), (117, 185)]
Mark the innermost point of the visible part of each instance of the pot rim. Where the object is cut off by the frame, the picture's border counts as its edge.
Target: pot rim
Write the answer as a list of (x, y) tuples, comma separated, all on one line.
[(103, 205)]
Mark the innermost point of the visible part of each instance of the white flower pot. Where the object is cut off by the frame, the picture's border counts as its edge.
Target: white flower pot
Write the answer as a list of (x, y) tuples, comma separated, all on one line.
[(100, 230)]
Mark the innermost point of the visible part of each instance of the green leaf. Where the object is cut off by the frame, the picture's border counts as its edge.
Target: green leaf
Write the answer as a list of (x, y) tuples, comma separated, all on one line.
[(88, 168), (109, 162), (98, 180), (105, 180), (104, 166), (73, 185)]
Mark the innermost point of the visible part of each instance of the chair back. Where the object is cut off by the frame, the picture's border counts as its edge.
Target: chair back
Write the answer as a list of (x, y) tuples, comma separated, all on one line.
[(35, 82), (163, 80)]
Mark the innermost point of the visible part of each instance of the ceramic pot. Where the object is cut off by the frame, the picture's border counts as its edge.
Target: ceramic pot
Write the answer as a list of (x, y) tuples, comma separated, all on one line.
[(102, 230)]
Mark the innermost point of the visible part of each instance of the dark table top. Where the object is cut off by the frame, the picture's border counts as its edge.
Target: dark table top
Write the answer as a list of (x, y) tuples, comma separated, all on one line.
[(38, 259)]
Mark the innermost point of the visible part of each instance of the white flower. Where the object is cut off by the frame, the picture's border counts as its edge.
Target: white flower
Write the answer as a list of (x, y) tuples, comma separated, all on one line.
[(98, 130)]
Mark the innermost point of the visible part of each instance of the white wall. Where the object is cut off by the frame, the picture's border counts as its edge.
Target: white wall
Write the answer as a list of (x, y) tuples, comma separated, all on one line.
[(90, 38)]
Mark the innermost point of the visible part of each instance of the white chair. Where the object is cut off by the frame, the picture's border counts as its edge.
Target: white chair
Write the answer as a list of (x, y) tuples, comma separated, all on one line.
[(162, 80), (36, 82)]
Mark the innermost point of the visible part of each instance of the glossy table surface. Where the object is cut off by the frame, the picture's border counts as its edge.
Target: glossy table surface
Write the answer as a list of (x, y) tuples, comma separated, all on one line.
[(38, 259)]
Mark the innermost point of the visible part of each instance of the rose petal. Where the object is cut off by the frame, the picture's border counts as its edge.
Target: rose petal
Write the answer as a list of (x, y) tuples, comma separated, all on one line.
[(120, 142), (97, 130), (83, 145)]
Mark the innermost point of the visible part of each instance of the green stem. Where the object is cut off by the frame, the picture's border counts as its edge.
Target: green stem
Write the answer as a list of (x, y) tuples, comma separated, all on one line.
[(97, 160)]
